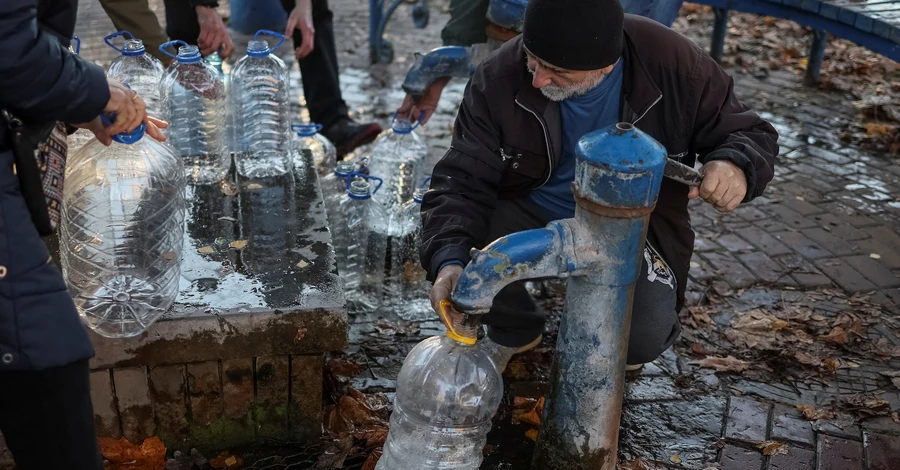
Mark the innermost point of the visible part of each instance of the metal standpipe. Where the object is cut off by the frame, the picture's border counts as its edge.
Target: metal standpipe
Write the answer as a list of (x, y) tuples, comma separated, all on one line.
[(617, 178)]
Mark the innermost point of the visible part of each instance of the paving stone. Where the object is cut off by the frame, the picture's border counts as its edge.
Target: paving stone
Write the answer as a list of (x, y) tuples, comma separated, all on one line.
[(845, 276), (802, 207), (839, 454), (651, 389), (135, 408), (893, 294), (806, 275), (841, 426), (772, 225), (168, 390), (827, 240), (882, 452), (889, 257), (750, 213), (828, 155), (734, 243), (790, 217), (747, 420), (873, 270), (852, 217), (272, 378), (701, 270), (885, 236), (205, 392), (788, 425), (705, 244), (306, 392), (815, 184), (797, 458), (730, 269), (765, 242), (802, 244), (738, 458), (106, 418), (764, 267), (839, 227)]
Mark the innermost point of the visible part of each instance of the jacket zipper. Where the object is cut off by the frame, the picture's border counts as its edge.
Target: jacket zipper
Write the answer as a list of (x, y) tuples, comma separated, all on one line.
[(546, 141)]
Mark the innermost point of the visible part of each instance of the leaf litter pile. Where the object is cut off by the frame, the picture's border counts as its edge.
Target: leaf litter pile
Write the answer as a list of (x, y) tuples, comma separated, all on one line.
[(807, 340), (757, 45)]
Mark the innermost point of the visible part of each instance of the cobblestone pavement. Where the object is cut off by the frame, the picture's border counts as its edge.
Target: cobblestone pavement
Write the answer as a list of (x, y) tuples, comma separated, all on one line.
[(829, 220)]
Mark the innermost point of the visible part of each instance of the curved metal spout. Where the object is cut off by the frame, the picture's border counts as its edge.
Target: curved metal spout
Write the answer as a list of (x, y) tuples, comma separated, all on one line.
[(449, 61), (532, 254)]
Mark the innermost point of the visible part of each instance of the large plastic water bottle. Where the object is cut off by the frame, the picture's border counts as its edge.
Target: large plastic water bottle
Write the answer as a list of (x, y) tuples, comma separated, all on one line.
[(352, 244), (409, 289), (77, 139), (192, 97), (447, 392), (334, 187), (141, 71), (308, 140), (397, 155), (259, 90), (121, 232)]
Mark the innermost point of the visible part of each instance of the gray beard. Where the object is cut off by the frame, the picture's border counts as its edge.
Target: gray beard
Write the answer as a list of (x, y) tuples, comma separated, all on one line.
[(558, 93)]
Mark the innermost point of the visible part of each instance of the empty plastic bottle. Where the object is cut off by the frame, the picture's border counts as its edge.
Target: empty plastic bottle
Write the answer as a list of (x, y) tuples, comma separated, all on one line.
[(121, 232), (259, 90), (397, 154), (192, 95), (77, 139), (353, 245), (447, 392), (141, 71), (308, 139), (409, 289)]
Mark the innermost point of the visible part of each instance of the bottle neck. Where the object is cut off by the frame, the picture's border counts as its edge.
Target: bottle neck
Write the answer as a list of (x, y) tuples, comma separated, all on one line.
[(257, 48), (359, 189), (188, 54), (133, 48)]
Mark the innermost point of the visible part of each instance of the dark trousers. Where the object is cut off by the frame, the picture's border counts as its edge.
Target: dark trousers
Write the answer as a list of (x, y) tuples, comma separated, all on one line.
[(515, 320), (319, 69), (47, 418)]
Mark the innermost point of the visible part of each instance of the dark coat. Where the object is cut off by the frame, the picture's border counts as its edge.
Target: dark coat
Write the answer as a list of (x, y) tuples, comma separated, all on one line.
[(39, 80), (507, 140)]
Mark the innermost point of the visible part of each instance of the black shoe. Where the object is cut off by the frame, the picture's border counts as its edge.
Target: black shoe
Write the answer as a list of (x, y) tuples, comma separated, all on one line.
[(347, 135)]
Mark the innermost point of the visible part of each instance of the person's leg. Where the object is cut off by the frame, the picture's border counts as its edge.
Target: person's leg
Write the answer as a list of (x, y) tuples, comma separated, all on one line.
[(136, 17), (181, 21), (654, 321), (321, 84), (468, 20), (47, 418)]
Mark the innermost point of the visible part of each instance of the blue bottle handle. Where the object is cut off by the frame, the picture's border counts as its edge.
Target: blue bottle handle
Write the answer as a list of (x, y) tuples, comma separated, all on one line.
[(425, 183), (368, 177), (77, 45), (304, 129), (108, 39), (270, 33), (123, 137), (177, 42), (414, 125)]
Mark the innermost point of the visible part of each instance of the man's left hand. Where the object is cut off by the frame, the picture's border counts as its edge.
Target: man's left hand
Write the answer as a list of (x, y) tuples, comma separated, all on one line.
[(213, 33), (724, 185)]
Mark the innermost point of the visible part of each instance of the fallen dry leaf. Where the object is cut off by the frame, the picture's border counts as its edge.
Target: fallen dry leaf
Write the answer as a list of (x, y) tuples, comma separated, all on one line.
[(758, 320), (894, 376), (335, 453), (833, 364), (811, 413), (238, 244), (896, 417), (837, 336), (375, 437), (722, 364), (675, 458), (807, 358), (169, 255), (227, 461), (532, 434), (874, 256), (254, 186), (527, 410), (230, 219), (229, 189), (772, 448), (372, 460), (206, 250), (637, 464), (150, 455), (302, 264)]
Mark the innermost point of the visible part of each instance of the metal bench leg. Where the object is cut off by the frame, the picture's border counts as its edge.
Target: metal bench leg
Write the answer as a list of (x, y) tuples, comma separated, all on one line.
[(720, 29), (816, 55)]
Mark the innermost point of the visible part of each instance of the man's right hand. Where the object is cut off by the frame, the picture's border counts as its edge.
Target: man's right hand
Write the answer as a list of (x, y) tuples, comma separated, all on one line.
[(130, 112), (411, 109), (444, 285), (213, 33)]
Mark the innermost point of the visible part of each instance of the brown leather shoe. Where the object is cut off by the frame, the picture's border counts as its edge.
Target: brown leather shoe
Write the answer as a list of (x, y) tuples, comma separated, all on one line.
[(347, 135)]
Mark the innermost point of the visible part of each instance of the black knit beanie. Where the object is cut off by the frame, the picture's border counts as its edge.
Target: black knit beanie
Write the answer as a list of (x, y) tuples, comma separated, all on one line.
[(575, 34)]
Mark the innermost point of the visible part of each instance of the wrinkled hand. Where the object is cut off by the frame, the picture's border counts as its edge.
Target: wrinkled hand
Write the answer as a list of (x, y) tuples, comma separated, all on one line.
[(105, 137), (411, 110), (130, 112), (443, 286), (213, 33), (724, 185), (301, 18)]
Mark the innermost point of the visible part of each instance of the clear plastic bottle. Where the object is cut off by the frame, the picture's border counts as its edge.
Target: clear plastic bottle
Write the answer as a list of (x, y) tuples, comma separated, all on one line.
[(334, 188), (409, 289), (447, 392), (308, 139), (398, 156), (77, 139), (192, 97), (121, 232), (259, 93), (355, 248), (141, 71)]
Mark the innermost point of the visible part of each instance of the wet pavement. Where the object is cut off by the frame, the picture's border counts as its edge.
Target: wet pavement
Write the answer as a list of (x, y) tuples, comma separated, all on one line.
[(818, 252)]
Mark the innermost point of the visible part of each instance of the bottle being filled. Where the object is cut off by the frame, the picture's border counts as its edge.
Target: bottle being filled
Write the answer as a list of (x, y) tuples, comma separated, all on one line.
[(192, 97), (448, 391), (121, 232), (308, 140), (259, 93), (409, 288), (141, 71), (398, 155)]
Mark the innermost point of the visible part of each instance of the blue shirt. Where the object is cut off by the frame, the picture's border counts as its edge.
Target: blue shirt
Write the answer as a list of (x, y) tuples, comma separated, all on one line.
[(596, 109)]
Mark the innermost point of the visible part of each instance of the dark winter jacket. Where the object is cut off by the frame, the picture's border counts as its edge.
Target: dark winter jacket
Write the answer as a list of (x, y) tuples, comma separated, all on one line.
[(40, 80), (507, 140)]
